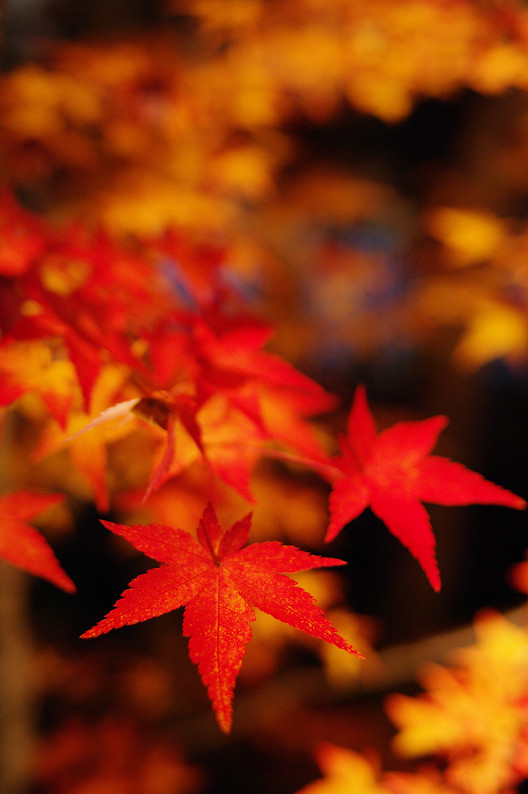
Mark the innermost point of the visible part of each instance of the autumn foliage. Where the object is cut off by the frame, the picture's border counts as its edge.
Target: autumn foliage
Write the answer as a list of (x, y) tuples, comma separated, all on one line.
[(77, 338), (219, 583), (170, 270), (394, 472)]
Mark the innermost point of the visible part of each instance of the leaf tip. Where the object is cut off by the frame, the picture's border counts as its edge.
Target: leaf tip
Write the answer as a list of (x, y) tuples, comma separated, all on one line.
[(95, 631), (225, 724), (434, 579), (360, 392), (331, 532), (442, 420), (67, 584), (333, 561)]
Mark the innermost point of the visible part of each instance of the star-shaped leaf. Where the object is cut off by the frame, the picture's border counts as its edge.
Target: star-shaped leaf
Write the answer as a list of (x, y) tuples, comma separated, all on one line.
[(219, 582), (21, 544), (473, 713), (394, 472)]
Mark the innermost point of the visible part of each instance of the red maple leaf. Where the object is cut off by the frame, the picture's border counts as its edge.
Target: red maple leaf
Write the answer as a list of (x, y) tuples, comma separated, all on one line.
[(219, 582), (21, 544), (393, 472)]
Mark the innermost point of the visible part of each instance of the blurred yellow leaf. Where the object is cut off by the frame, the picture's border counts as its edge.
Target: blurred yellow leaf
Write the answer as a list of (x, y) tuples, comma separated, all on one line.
[(42, 369), (474, 714), (346, 772), (494, 331), (469, 235)]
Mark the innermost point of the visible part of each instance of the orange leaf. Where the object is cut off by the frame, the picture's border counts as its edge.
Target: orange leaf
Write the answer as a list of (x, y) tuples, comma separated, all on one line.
[(33, 366)]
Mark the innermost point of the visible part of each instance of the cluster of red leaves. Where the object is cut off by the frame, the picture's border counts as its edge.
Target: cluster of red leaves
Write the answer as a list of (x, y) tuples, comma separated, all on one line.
[(194, 369)]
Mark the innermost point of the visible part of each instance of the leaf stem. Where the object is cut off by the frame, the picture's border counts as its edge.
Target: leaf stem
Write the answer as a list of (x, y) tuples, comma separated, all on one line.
[(326, 470)]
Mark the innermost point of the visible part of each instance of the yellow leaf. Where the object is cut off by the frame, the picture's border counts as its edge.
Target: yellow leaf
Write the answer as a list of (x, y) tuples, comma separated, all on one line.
[(473, 715), (470, 236), (88, 450), (345, 772), (494, 331)]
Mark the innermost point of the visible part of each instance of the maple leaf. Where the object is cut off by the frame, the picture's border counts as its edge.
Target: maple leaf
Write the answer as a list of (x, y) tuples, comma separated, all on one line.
[(393, 473), (473, 714), (219, 582), (344, 770), (22, 545), (469, 235), (35, 366)]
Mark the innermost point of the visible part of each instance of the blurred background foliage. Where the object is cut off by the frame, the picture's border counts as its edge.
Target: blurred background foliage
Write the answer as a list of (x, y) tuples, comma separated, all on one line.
[(362, 166)]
